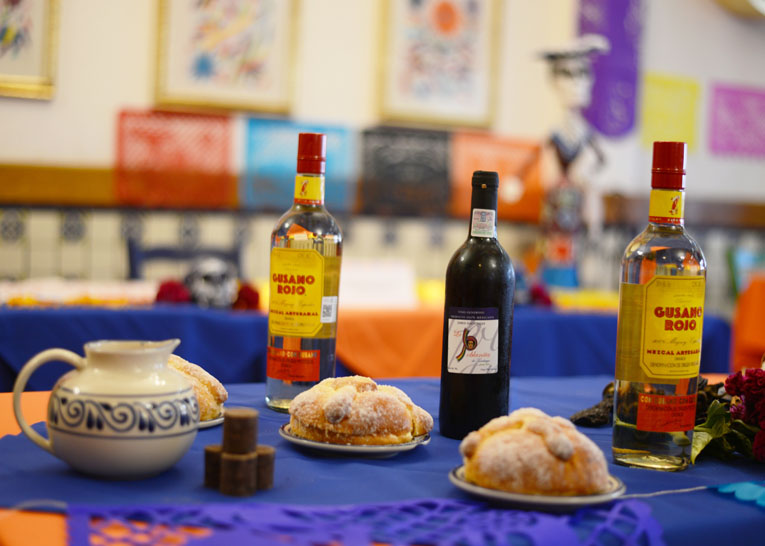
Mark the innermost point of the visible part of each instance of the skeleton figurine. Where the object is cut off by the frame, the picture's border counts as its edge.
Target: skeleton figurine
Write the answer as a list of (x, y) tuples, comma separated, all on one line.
[(212, 282), (571, 161)]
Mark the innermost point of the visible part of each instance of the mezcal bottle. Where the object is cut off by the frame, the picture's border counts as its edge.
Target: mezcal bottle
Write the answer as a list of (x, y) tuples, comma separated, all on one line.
[(661, 312), (304, 280)]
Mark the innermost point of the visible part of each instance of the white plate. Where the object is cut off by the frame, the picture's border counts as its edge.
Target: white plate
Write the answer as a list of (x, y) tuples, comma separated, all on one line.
[(212, 422), (387, 450), (538, 502)]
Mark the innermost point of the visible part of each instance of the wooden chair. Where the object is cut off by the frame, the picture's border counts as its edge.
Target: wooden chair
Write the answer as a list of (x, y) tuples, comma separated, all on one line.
[(138, 255)]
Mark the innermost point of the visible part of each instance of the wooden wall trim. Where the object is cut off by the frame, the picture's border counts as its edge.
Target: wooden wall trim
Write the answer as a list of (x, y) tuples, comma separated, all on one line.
[(36, 185), (633, 211), (56, 186)]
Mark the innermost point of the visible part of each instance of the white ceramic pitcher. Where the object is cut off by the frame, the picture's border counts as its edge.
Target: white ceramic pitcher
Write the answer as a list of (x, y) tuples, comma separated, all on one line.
[(122, 413)]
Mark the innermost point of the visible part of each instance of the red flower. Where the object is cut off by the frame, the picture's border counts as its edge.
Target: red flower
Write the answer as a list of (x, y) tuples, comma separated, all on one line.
[(173, 292), (754, 384), (759, 413), (734, 384), (540, 296), (758, 447), (247, 298)]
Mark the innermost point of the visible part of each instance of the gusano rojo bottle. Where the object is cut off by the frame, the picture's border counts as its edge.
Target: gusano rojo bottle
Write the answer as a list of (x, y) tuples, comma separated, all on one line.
[(661, 313), (304, 279), (478, 320)]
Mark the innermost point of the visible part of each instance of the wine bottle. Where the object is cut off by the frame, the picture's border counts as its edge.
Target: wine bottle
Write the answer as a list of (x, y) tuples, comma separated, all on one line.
[(304, 280), (661, 312), (478, 320)]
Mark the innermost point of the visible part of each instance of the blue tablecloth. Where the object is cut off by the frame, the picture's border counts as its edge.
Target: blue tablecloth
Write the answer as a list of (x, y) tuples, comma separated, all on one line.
[(232, 344), (698, 517)]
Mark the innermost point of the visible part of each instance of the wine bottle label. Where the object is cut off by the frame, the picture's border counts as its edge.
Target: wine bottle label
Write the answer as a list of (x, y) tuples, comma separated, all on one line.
[(288, 365), (473, 340), (659, 329), (666, 207), (483, 223), (309, 190), (303, 293)]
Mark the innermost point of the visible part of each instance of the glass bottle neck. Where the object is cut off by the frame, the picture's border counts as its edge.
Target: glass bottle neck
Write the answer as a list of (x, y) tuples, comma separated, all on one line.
[(483, 212), (666, 207), (309, 189)]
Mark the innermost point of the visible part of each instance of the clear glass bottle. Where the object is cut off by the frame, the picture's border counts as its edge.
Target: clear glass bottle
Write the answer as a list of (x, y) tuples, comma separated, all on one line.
[(478, 321), (304, 280), (661, 309)]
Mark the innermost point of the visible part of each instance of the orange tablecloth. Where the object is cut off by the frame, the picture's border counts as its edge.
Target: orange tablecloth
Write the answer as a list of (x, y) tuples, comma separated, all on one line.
[(748, 335), (392, 343), (28, 527), (407, 343)]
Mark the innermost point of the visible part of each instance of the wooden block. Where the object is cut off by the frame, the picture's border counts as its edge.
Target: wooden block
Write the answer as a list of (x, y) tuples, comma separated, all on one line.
[(240, 430), (239, 474), (212, 466), (266, 459)]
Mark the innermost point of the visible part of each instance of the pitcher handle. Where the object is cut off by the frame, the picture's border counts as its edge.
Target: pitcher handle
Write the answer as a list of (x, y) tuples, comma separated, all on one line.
[(21, 382)]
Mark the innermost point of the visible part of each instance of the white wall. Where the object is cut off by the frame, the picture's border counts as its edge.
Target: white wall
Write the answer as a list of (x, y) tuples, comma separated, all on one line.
[(106, 63), (702, 40)]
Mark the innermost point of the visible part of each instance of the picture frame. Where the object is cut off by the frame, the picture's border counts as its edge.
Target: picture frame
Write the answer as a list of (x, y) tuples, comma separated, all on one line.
[(439, 60), (28, 48), (235, 55)]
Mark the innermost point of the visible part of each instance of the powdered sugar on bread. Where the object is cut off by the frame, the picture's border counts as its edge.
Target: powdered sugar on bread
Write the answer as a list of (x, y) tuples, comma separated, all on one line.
[(531, 452), (355, 410), (210, 393)]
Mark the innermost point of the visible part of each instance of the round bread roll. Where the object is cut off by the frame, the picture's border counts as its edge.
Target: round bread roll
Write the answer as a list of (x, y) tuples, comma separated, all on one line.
[(209, 391), (356, 410), (532, 453)]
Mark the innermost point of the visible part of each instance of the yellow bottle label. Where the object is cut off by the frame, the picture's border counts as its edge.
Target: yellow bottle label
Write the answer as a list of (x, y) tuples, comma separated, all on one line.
[(309, 190), (303, 290), (659, 329), (666, 207)]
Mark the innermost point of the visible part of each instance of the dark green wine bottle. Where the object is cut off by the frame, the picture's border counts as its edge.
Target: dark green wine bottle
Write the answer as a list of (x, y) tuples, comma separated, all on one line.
[(478, 321)]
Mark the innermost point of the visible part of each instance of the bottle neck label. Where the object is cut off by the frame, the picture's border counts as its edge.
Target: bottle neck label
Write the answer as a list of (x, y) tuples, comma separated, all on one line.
[(473, 340), (483, 223), (666, 207), (309, 190)]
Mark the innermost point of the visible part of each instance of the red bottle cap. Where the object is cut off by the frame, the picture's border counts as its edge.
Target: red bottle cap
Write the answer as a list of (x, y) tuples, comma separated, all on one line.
[(312, 151), (668, 172)]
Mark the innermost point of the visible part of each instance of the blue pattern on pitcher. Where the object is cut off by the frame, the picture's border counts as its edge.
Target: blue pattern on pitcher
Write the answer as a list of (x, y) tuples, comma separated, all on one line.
[(123, 417)]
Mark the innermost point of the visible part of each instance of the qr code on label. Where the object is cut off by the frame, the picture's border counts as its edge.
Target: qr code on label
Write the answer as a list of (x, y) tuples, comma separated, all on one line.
[(329, 309)]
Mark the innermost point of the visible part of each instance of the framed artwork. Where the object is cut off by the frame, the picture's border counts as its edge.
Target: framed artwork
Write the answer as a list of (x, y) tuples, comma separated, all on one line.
[(438, 59), (234, 54), (28, 41)]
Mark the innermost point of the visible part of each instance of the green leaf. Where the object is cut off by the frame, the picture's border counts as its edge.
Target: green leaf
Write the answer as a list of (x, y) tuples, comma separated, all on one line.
[(720, 448), (724, 442), (718, 420), (700, 441), (715, 427), (746, 428), (742, 442)]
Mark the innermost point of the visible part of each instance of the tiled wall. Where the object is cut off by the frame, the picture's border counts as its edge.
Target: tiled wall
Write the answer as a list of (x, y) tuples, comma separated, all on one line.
[(91, 244)]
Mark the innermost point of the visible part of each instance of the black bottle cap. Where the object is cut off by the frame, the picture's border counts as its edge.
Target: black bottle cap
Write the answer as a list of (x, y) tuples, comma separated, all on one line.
[(490, 179)]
